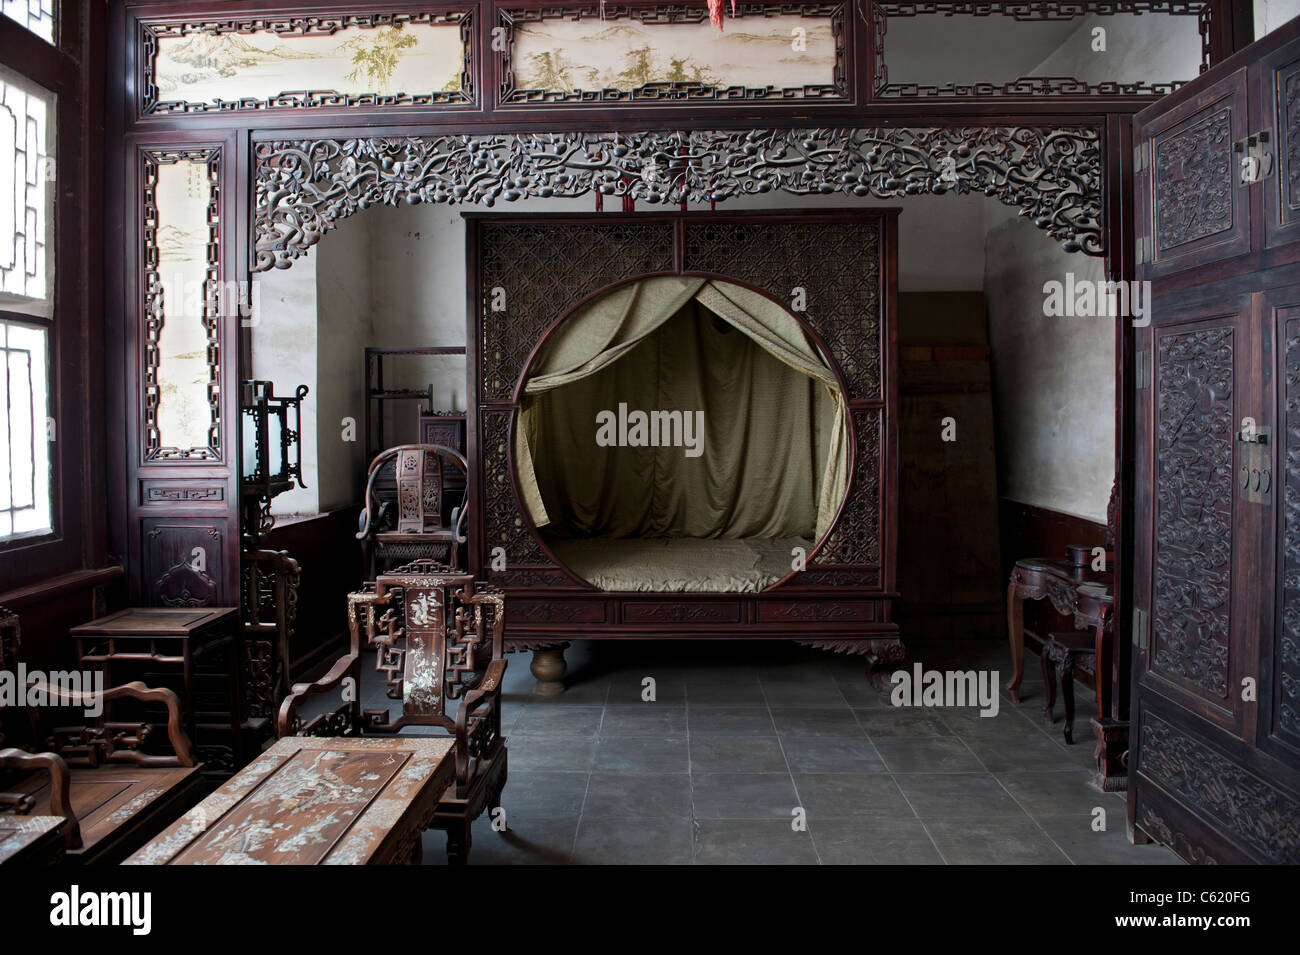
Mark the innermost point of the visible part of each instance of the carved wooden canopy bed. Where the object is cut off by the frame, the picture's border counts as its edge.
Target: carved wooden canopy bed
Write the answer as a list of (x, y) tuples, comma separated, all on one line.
[(779, 328)]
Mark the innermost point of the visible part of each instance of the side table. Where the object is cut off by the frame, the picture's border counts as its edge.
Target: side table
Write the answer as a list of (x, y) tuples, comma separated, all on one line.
[(174, 637)]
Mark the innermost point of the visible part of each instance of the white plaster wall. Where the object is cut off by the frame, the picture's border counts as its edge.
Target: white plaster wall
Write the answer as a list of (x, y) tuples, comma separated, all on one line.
[(346, 324), (1053, 378), (1271, 14), (284, 352), (1153, 47)]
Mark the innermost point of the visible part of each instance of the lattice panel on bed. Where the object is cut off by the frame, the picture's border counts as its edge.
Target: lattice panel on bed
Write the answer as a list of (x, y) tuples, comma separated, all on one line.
[(837, 264), (539, 270), (505, 526), (543, 270), (856, 538)]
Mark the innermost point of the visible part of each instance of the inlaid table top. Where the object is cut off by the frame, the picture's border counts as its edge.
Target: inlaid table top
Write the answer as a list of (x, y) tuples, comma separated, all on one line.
[(30, 838), (315, 801)]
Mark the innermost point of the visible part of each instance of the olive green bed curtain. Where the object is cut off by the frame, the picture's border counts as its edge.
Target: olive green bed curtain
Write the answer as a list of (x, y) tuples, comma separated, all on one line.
[(774, 445)]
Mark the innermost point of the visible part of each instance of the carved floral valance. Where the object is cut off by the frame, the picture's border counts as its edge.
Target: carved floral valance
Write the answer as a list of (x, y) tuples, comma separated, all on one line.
[(304, 187)]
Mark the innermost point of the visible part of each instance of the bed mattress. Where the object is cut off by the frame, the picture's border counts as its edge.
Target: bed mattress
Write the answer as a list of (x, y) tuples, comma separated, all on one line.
[(679, 564)]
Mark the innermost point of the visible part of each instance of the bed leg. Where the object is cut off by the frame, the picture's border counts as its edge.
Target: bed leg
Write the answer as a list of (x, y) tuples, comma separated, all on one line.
[(548, 667), (883, 658)]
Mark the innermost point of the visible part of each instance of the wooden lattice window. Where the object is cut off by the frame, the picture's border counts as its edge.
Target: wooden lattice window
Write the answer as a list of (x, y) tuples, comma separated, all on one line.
[(26, 302), (36, 15)]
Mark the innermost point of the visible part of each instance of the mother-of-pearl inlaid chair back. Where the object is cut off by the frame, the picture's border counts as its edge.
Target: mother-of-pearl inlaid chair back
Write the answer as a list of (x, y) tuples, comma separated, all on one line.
[(439, 638)]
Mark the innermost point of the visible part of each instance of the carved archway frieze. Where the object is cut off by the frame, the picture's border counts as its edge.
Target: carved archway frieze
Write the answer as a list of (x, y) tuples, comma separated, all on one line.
[(303, 188)]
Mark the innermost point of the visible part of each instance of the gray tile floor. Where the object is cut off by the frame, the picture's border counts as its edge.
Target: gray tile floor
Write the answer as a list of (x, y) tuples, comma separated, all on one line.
[(741, 739)]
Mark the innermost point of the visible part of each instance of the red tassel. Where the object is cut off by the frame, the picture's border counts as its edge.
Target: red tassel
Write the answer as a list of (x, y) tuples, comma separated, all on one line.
[(629, 204), (715, 13), (733, 7), (600, 201)]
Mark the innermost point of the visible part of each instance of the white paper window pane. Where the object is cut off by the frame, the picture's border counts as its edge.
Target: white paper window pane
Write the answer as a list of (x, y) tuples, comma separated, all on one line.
[(24, 431), (35, 15), (26, 197)]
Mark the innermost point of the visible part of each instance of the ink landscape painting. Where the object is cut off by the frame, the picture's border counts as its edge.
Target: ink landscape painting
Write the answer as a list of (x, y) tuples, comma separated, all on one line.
[(204, 68), (571, 55)]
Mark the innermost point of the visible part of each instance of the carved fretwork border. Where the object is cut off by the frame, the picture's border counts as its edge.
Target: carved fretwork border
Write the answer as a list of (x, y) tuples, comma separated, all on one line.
[(154, 308), (148, 33), (1028, 10), (303, 188), (1251, 811), (675, 93)]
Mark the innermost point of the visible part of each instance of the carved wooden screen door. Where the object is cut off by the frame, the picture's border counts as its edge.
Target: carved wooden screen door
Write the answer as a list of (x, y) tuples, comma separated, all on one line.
[(1215, 765)]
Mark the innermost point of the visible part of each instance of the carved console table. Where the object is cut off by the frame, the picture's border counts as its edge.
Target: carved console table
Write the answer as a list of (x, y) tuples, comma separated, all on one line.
[(1088, 597)]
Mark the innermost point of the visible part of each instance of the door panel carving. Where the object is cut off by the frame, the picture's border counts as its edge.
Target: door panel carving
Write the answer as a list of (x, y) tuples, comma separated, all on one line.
[(1192, 205), (1282, 184), (1193, 182), (1258, 814), (182, 561), (1194, 493), (1215, 767), (1286, 691)]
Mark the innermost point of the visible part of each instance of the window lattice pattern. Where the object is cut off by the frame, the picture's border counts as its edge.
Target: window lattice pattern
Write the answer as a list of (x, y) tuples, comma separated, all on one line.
[(24, 448), (35, 15), (26, 197)]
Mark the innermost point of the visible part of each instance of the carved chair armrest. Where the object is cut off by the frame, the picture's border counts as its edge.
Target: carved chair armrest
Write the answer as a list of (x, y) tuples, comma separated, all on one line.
[(461, 514), (343, 667), (60, 785), (484, 696), (490, 686), (369, 513), (489, 602), (180, 742)]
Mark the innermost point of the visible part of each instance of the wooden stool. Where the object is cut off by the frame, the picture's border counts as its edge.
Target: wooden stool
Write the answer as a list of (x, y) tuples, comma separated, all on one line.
[(1062, 653)]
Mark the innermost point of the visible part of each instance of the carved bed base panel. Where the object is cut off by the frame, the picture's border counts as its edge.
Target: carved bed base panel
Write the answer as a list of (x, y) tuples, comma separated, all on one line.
[(883, 654)]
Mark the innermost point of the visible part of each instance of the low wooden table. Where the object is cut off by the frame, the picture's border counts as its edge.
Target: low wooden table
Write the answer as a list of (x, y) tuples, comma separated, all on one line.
[(311, 800), (31, 840)]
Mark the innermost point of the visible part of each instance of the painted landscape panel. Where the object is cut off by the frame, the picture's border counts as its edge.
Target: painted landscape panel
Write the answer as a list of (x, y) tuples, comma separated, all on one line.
[(408, 62), (183, 195), (566, 58)]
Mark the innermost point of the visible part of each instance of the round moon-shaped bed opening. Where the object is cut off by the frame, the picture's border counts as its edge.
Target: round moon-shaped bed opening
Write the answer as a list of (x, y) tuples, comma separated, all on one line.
[(681, 434)]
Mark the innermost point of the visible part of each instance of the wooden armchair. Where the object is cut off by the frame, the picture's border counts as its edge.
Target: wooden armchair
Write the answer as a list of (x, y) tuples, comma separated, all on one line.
[(60, 790), (411, 527), (440, 645), (105, 778)]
